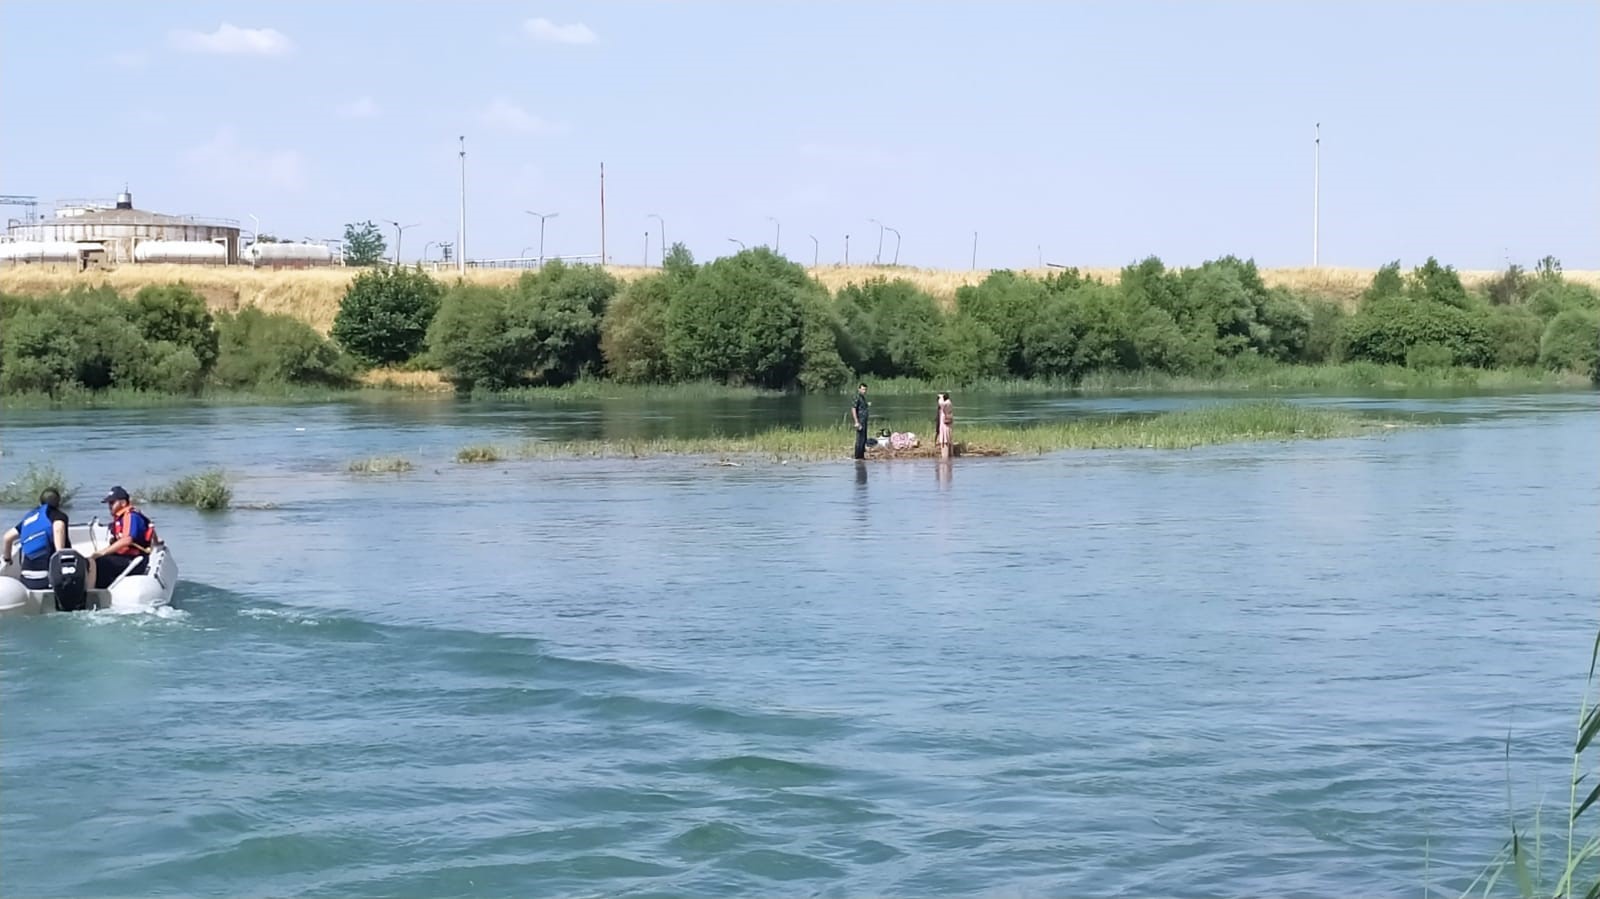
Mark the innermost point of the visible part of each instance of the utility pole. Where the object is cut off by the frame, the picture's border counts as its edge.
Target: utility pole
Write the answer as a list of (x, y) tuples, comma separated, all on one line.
[(974, 251), (399, 232), (646, 262), (602, 215), (542, 216), (663, 232), (816, 250), (1316, 196), (461, 235), (847, 251), (777, 238)]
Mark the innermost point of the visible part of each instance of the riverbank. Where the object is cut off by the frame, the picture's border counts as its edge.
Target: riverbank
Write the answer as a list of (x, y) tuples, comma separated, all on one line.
[(391, 385), (313, 295), (1211, 425)]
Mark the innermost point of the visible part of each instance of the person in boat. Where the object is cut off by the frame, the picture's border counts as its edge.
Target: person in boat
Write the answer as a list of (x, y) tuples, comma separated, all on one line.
[(37, 537), (132, 538)]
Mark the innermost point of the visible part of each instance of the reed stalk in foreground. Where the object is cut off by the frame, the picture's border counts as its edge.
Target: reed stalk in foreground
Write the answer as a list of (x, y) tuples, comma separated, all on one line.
[(1236, 423), (1580, 871)]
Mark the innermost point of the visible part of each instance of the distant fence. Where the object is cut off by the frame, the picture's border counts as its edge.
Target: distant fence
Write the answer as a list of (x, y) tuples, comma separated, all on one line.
[(532, 262)]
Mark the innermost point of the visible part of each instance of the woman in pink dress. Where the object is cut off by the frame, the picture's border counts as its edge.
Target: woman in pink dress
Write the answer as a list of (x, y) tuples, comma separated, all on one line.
[(947, 420)]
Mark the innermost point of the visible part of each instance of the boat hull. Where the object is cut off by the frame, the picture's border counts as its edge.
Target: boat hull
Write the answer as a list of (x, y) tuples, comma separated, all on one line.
[(146, 591)]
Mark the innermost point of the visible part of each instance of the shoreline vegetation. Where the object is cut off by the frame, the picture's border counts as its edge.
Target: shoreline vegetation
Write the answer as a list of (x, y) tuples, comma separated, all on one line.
[(378, 386)]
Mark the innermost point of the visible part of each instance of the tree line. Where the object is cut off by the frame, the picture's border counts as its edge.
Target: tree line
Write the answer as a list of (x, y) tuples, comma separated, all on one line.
[(758, 319)]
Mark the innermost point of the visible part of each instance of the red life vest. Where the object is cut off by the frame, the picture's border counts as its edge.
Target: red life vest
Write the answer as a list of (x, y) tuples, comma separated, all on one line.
[(142, 542)]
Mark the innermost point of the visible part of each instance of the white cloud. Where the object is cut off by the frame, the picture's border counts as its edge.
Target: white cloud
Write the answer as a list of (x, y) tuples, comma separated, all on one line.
[(359, 108), (233, 41), (550, 32), (224, 159), (130, 59), (504, 114)]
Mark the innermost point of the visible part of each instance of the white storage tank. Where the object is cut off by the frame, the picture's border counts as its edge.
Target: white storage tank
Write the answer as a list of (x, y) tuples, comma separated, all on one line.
[(289, 255), (23, 251), (187, 252)]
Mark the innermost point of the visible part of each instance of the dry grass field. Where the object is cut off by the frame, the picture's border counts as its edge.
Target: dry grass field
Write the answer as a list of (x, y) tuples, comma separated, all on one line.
[(313, 295)]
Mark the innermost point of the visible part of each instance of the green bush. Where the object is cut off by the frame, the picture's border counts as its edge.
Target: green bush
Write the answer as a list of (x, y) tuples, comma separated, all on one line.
[(1096, 328), (891, 326), (1386, 329), (1429, 356), (1436, 283), (384, 316), (632, 334), (1388, 282), (1323, 332), (261, 348), (543, 331), (1554, 296), (176, 314), (741, 321), (1514, 336), (1513, 286), (39, 353), (821, 367), (965, 351), (1006, 303), (1571, 342)]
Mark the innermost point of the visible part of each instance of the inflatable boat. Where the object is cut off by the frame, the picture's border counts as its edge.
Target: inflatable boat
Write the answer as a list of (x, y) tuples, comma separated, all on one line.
[(147, 585)]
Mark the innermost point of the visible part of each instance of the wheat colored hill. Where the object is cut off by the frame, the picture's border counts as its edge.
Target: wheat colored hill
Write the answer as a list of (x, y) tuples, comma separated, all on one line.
[(312, 295)]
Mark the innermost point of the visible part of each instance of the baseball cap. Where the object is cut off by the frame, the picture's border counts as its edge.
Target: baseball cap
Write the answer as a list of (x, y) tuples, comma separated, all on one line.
[(116, 493)]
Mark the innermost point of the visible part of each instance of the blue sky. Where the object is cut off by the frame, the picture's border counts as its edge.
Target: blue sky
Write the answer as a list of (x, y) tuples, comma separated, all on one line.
[(1089, 133)]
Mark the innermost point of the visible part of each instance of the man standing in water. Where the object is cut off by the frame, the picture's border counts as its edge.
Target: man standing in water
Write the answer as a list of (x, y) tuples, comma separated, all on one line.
[(858, 414)]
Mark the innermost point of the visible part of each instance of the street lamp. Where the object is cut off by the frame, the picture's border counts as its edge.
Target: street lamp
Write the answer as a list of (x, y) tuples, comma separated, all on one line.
[(777, 237), (431, 243), (739, 242), (542, 216), (816, 249), (399, 234), (663, 222), (896, 246), (878, 258)]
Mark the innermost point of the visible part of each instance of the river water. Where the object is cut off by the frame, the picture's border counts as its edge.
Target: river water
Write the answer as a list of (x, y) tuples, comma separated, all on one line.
[(1264, 669)]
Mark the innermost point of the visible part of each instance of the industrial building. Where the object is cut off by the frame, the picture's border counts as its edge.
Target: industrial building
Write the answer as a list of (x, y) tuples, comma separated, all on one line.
[(99, 233), (91, 233)]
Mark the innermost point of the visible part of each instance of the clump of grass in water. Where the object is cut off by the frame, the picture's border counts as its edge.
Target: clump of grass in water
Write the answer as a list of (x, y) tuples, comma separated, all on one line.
[(380, 465), (1236, 423), (1582, 862), (34, 480), (480, 453), (208, 492)]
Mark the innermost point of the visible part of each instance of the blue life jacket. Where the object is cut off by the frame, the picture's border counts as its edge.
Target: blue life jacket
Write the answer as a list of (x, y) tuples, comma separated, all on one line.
[(38, 540)]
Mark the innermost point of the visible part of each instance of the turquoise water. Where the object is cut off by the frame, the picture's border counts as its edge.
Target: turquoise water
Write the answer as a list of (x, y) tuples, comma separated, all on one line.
[(1267, 669)]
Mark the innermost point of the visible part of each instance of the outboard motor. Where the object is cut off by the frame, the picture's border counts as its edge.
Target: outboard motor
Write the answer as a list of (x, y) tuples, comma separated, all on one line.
[(69, 580)]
